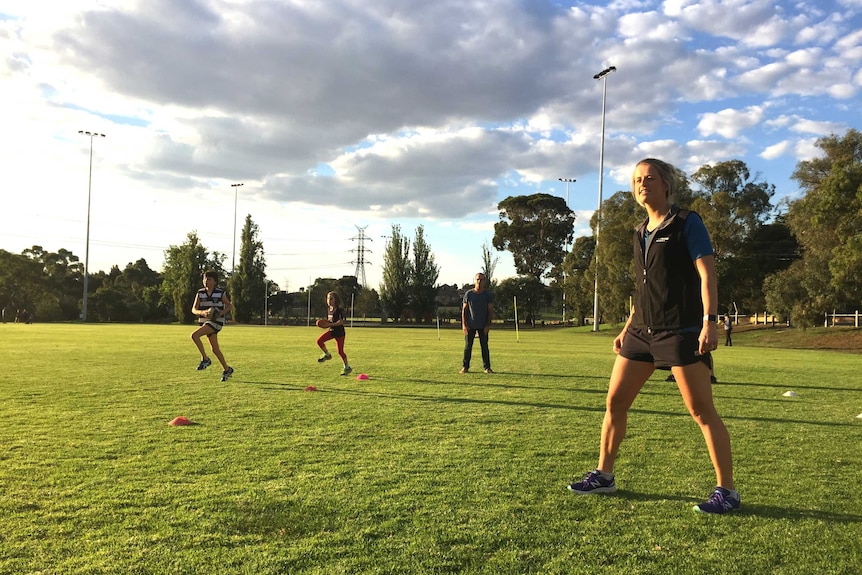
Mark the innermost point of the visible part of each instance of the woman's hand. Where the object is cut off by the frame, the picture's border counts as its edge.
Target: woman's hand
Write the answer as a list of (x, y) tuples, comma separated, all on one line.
[(708, 338), (618, 341)]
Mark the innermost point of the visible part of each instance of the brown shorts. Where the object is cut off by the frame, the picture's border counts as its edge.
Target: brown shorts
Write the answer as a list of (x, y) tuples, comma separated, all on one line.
[(664, 349)]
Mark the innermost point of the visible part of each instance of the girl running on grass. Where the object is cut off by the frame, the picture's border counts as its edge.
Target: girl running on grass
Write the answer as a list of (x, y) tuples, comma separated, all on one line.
[(211, 304), (334, 330)]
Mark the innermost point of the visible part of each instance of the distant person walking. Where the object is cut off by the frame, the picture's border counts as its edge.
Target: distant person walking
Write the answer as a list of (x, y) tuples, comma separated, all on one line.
[(211, 304), (728, 327), (334, 330), (672, 325), (477, 313)]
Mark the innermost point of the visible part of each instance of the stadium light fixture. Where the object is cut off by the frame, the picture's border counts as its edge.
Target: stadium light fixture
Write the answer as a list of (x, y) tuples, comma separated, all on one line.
[(91, 135), (567, 182), (603, 76), (233, 256)]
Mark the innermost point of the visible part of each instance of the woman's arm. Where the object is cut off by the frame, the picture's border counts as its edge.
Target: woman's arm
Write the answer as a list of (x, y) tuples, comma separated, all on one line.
[(709, 295)]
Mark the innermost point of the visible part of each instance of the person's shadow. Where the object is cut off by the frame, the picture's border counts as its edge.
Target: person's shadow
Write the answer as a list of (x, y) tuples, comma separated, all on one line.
[(751, 509)]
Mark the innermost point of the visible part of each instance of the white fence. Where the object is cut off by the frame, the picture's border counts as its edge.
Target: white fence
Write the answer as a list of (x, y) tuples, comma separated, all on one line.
[(833, 319), (829, 319)]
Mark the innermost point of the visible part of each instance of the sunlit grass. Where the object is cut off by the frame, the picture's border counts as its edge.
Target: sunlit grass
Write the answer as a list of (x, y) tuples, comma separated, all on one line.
[(417, 470)]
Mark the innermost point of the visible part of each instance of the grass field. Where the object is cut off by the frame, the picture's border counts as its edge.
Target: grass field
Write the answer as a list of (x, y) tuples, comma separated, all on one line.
[(417, 470)]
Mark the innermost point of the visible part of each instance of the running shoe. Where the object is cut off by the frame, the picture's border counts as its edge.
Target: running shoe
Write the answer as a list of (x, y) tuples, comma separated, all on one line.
[(324, 357), (226, 373), (713, 379), (205, 363), (721, 501), (670, 378), (464, 370), (489, 370), (592, 483), (346, 371)]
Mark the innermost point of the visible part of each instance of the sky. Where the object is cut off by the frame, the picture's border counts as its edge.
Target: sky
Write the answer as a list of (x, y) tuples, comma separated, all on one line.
[(342, 118)]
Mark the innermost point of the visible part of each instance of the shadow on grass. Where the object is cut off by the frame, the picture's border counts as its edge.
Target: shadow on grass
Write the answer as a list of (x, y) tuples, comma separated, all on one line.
[(774, 512), (488, 383), (748, 509), (785, 385), (275, 386), (463, 400)]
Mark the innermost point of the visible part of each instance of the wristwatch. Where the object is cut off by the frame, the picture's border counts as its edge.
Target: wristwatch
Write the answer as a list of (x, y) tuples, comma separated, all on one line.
[(710, 317)]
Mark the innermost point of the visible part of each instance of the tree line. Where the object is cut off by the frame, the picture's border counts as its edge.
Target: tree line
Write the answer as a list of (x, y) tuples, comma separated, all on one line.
[(798, 259)]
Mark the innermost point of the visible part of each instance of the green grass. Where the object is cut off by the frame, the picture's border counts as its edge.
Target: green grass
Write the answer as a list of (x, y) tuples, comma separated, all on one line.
[(417, 470)]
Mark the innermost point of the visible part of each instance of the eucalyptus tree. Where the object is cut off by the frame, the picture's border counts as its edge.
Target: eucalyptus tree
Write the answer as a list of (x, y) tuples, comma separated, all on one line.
[(827, 222), (535, 229)]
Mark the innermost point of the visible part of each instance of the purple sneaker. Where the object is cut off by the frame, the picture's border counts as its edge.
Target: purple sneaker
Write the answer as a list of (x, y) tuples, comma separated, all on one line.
[(593, 482), (721, 501)]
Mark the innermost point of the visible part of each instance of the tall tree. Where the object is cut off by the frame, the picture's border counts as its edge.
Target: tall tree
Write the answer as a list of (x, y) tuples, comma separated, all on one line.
[(130, 295), (530, 294), (424, 275), (184, 267), (489, 264), (23, 286), (827, 222), (397, 271), (579, 280), (367, 303), (734, 206), (771, 248), (248, 287), (620, 216), (144, 283), (63, 276), (535, 229)]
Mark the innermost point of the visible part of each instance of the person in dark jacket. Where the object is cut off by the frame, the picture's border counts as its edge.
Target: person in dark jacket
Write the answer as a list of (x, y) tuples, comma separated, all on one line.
[(672, 325), (728, 328)]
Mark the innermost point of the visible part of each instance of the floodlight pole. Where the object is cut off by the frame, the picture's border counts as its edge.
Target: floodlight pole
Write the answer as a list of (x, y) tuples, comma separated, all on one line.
[(567, 181), (87, 242), (603, 76), (233, 257)]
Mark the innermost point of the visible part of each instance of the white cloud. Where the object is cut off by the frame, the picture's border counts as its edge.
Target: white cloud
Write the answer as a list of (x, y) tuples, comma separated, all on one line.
[(751, 22), (804, 126), (728, 123), (822, 32), (807, 149), (776, 150), (649, 26), (803, 58), (702, 152)]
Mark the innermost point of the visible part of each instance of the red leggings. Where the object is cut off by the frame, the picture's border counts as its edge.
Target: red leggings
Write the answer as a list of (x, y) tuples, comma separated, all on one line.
[(339, 341)]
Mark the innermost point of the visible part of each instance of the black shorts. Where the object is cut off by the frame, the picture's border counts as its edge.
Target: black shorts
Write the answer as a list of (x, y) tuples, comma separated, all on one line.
[(664, 349)]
